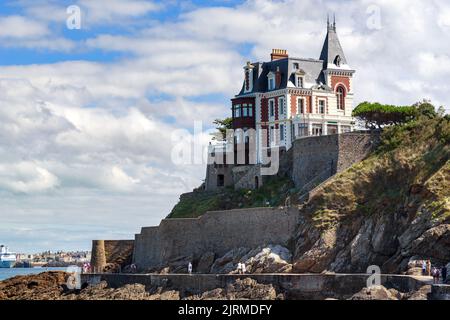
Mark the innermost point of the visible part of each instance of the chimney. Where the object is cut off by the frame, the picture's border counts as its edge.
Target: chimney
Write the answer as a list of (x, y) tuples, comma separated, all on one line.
[(278, 54), (278, 78)]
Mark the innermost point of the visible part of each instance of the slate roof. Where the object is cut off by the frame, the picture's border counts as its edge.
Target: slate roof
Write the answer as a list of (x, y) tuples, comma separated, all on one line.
[(332, 48), (313, 68)]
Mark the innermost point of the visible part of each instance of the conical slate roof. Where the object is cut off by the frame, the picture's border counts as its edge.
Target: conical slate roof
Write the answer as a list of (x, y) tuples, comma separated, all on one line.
[(332, 49)]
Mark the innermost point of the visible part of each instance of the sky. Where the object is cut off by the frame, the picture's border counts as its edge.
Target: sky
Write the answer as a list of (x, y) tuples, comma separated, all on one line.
[(90, 116)]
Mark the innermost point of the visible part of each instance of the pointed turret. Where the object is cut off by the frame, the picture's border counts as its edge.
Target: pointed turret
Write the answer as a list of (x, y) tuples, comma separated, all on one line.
[(332, 53)]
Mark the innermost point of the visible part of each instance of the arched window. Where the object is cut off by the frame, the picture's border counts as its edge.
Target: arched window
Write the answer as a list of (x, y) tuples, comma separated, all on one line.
[(340, 94)]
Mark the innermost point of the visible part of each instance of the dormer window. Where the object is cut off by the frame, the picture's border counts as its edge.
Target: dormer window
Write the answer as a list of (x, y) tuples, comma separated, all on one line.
[(271, 81), (300, 81), (337, 60), (271, 84), (300, 78)]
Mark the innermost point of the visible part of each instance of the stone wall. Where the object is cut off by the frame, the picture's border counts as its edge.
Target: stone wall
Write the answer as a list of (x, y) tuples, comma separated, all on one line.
[(218, 232), (245, 177), (212, 173), (318, 158)]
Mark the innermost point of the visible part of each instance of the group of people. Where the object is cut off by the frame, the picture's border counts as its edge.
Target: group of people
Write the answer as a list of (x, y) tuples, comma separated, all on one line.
[(435, 272), (241, 268), (86, 267)]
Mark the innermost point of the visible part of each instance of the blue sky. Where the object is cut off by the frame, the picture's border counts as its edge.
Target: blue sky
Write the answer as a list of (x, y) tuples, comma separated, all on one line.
[(87, 116)]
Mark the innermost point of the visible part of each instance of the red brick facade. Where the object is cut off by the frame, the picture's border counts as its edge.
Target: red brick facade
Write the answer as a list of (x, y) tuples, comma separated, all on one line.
[(339, 79), (294, 104)]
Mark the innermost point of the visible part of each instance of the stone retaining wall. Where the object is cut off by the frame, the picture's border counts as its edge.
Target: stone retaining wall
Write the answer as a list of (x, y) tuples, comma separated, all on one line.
[(217, 231), (324, 156)]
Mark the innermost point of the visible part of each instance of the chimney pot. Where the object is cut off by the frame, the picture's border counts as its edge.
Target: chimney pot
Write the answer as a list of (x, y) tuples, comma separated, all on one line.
[(278, 54)]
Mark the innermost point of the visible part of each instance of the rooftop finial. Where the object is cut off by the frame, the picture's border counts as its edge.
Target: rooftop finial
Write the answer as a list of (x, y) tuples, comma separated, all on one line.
[(334, 21)]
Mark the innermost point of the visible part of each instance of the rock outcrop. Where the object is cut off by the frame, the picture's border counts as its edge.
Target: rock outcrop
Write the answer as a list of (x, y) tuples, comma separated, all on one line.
[(386, 210), (52, 286), (270, 259), (377, 293), (245, 289)]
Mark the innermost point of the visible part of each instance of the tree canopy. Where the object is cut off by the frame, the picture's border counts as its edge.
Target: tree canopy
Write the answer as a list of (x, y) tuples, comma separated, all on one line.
[(222, 125), (376, 115)]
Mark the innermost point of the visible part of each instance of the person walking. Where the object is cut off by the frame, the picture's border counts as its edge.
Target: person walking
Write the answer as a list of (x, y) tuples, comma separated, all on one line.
[(424, 268), (190, 267), (239, 268), (428, 267), (444, 273), (244, 268), (435, 274)]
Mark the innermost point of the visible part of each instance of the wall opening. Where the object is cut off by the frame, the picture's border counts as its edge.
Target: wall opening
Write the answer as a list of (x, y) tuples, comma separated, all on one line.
[(256, 182), (220, 180)]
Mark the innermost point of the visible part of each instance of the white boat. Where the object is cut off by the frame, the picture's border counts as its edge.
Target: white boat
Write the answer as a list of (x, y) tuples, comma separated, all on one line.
[(7, 259)]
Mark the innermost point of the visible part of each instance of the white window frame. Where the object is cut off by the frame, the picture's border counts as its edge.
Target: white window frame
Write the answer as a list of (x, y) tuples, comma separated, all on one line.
[(324, 106), (300, 81), (271, 83), (302, 130), (271, 134), (271, 108), (236, 108)]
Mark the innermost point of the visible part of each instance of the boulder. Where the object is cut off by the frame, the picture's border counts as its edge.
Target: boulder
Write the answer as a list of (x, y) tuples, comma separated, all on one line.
[(271, 259), (241, 289), (375, 293), (421, 294)]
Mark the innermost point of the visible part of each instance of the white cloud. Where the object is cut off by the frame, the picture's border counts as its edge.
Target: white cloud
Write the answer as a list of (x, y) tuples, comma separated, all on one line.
[(114, 11), (26, 177), (19, 27)]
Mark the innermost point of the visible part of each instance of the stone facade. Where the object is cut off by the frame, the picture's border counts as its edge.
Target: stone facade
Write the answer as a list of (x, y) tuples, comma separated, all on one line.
[(218, 232)]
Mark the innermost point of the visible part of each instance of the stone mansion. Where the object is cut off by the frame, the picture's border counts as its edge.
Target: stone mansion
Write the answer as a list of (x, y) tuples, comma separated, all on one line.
[(289, 98)]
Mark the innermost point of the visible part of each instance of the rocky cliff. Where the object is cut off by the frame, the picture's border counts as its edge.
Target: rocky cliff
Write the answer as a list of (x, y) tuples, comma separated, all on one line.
[(391, 208)]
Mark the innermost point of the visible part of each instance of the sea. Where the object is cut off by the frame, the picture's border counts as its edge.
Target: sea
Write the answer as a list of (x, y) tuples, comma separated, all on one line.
[(6, 273)]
